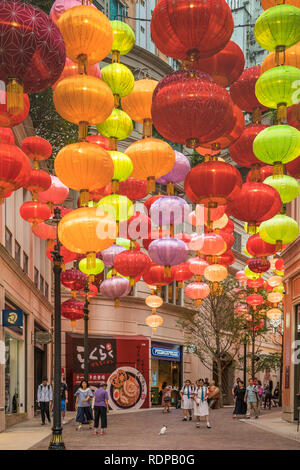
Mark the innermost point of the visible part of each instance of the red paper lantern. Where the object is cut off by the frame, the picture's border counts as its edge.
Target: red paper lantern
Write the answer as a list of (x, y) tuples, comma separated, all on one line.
[(104, 142), (256, 202), (258, 265), (243, 92), (148, 203), (134, 189), (229, 227), (210, 244), (37, 149), (258, 248), (44, 231), (73, 279), (181, 272), (226, 66), (56, 194), (185, 106), (293, 116), (6, 136), (72, 310), (98, 194), (293, 168), (38, 181), (227, 259), (197, 291), (186, 29), (32, 50), (233, 132), (35, 212), (136, 228), (257, 324), (214, 183), (155, 276), (197, 266), (279, 264), (241, 151), (254, 300), (8, 119), (14, 168), (66, 254), (255, 283), (260, 174), (132, 263), (240, 276), (228, 237), (93, 291), (154, 234)]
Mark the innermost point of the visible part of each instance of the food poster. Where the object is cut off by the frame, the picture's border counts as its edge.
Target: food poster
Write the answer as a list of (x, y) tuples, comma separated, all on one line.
[(122, 362)]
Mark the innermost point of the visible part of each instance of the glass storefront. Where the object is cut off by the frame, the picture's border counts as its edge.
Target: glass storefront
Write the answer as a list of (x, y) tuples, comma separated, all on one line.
[(14, 375)]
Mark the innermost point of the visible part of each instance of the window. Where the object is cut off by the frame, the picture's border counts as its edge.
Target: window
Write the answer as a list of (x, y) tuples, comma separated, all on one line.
[(237, 246), (36, 277), (13, 365), (17, 253), (142, 29), (47, 290), (25, 262), (8, 240), (42, 283)]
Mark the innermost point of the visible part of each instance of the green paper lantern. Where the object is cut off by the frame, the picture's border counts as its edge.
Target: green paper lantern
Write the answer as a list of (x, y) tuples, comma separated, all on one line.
[(112, 272), (250, 274), (123, 166), (279, 289), (119, 78), (124, 37), (279, 230), (278, 26), (118, 206), (124, 242), (91, 272), (276, 145), (287, 187), (275, 86), (118, 126)]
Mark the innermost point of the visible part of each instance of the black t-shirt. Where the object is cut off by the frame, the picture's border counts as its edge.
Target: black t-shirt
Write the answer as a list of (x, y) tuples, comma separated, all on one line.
[(63, 388)]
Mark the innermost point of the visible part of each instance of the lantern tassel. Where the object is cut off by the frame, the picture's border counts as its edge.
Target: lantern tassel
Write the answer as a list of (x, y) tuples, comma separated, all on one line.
[(91, 260), (14, 96), (73, 294), (132, 281), (256, 116), (91, 278), (277, 170), (147, 128), (115, 186), (154, 310), (113, 143), (36, 164), (167, 271), (2, 196), (170, 189), (154, 330), (117, 303), (278, 245), (115, 57), (84, 197), (151, 184), (73, 324), (83, 128), (198, 302), (180, 284), (255, 173), (82, 64), (117, 101), (281, 113)]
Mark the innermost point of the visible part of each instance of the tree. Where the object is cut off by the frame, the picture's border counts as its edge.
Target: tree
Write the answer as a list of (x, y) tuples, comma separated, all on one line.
[(214, 332)]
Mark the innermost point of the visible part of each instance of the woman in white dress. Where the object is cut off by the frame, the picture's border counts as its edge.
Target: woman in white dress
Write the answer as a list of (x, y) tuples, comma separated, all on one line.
[(200, 396), (187, 404)]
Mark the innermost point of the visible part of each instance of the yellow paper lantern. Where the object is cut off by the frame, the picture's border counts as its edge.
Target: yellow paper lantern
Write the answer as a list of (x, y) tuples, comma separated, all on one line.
[(154, 302), (274, 314), (154, 321), (124, 39), (83, 100), (151, 158), (118, 126), (122, 168), (275, 297), (84, 167), (120, 80), (118, 206), (87, 231), (274, 281), (91, 272), (215, 273), (87, 34)]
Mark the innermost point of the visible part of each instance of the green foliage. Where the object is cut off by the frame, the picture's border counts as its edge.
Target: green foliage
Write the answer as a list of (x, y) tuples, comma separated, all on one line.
[(44, 5), (272, 361), (196, 158)]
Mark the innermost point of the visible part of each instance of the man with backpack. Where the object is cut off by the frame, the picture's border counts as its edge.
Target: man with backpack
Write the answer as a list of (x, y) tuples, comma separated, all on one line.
[(44, 399)]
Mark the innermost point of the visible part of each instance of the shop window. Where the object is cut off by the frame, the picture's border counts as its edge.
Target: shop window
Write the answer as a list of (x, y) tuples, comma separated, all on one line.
[(142, 29), (8, 240), (237, 246), (18, 253), (25, 262), (36, 277), (13, 354), (47, 290), (42, 284)]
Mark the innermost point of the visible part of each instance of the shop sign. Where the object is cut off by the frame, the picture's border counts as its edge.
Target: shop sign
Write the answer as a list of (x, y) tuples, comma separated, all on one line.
[(102, 355), (166, 353), (12, 318), (42, 337)]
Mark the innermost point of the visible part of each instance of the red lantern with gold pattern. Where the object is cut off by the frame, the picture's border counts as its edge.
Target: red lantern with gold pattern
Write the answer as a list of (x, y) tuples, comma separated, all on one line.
[(256, 202), (213, 183), (185, 106), (259, 265), (74, 280), (72, 310), (186, 29)]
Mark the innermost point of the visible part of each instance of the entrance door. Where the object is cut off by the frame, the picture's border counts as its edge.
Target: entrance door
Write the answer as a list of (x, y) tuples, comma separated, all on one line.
[(297, 366), (40, 371)]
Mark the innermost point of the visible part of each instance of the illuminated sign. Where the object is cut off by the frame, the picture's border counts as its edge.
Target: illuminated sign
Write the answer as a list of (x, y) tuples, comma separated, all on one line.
[(12, 318), (166, 353)]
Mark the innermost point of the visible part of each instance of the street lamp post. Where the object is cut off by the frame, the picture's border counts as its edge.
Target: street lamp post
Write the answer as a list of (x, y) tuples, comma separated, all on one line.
[(56, 442), (86, 333)]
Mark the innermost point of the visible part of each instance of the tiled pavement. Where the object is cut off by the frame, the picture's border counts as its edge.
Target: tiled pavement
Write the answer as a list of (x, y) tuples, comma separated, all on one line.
[(140, 431)]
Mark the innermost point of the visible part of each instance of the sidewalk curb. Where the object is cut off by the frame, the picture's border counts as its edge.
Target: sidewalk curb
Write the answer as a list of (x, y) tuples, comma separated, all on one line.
[(288, 435)]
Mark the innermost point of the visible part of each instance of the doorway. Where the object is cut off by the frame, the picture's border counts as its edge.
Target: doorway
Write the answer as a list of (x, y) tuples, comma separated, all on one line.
[(40, 370)]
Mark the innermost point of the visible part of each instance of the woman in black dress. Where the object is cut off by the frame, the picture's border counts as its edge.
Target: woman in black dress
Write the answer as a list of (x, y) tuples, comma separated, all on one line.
[(240, 406)]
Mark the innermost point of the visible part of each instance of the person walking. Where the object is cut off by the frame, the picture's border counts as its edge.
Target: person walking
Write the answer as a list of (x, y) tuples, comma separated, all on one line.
[(64, 399), (240, 407), (44, 399), (268, 395), (235, 386), (260, 392), (166, 398), (101, 408), (187, 403), (83, 396), (213, 395), (251, 399), (200, 396)]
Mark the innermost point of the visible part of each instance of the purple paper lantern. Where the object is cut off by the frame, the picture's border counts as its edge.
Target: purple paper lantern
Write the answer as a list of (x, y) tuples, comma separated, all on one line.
[(108, 255), (169, 210), (168, 252), (114, 288), (179, 171), (60, 6)]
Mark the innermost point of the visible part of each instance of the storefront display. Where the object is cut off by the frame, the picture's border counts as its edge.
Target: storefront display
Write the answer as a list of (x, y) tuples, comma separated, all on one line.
[(122, 362)]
